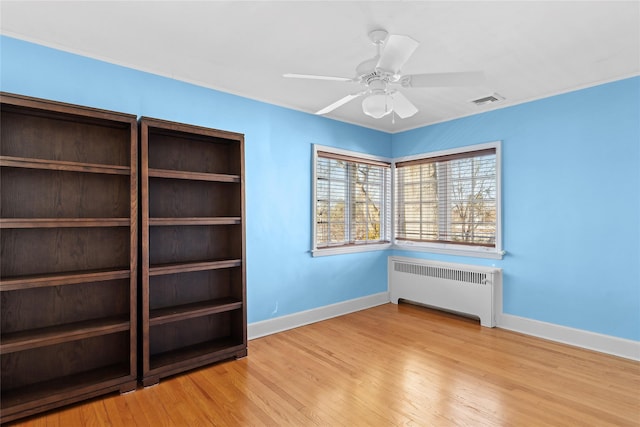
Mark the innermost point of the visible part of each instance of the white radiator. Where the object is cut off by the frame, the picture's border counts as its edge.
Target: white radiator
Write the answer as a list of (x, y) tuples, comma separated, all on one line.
[(460, 288)]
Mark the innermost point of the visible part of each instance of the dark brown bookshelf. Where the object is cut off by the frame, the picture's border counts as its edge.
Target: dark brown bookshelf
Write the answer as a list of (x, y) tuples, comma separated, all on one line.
[(59, 279), (187, 311), (54, 393), (28, 163), (193, 176), (62, 222), (195, 221), (26, 340), (189, 357), (193, 298), (186, 267), (69, 235)]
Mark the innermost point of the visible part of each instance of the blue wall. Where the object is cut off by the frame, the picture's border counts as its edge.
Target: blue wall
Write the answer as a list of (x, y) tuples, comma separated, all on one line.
[(571, 187), (571, 203), (282, 277)]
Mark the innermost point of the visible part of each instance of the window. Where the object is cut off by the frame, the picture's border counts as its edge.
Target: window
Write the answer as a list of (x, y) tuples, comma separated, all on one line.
[(450, 201), (352, 206)]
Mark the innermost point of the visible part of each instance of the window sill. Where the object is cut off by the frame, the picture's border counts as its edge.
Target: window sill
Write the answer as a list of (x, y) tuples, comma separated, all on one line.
[(476, 252), (350, 249)]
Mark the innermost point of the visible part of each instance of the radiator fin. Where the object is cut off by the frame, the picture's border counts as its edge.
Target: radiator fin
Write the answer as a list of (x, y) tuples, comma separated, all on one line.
[(442, 273)]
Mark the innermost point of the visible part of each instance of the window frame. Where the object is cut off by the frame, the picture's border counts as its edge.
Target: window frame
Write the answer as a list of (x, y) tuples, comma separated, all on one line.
[(387, 210), (448, 247)]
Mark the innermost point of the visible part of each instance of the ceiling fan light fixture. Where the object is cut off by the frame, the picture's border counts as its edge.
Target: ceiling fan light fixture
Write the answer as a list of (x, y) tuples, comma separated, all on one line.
[(376, 105)]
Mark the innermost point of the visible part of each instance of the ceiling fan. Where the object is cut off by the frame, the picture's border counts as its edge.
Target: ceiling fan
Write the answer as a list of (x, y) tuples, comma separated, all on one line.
[(381, 77)]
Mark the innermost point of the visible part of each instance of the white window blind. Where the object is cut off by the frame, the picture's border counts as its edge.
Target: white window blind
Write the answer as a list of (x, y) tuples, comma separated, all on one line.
[(353, 200), (448, 199)]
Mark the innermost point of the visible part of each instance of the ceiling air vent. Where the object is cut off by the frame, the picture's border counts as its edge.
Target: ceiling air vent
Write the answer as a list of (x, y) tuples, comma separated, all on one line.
[(488, 99)]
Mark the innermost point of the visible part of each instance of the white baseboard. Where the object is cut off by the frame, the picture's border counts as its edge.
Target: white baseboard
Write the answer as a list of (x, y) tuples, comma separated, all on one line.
[(279, 324), (621, 347)]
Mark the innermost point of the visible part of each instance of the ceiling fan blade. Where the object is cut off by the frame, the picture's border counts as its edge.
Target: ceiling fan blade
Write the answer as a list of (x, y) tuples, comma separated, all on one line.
[(402, 106), (467, 78), (339, 103), (396, 51), (314, 77)]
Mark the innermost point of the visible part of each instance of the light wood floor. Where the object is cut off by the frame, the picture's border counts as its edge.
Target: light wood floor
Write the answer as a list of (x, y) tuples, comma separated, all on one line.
[(386, 366)]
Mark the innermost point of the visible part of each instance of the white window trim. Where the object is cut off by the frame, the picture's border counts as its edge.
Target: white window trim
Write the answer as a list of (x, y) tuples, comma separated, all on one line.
[(352, 248), (449, 248), (338, 250)]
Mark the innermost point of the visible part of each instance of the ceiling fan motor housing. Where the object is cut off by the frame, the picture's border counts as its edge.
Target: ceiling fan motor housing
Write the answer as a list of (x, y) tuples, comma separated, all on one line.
[(367, 67)]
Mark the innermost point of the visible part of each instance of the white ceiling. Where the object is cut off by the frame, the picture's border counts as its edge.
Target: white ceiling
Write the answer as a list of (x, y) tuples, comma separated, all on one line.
[(528, 50)]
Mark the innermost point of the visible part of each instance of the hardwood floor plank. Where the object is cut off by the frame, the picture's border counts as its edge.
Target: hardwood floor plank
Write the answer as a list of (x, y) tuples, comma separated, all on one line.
[(118, 410), (179, 408), (386, 366), (146, 408), (93, 414)]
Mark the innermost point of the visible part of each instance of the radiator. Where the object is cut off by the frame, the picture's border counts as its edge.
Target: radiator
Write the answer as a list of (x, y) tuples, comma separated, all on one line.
[(460, 288)]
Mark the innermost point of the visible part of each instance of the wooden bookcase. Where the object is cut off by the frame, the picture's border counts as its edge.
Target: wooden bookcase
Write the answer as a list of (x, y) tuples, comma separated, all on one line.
[(69, 235), (193, 298)]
